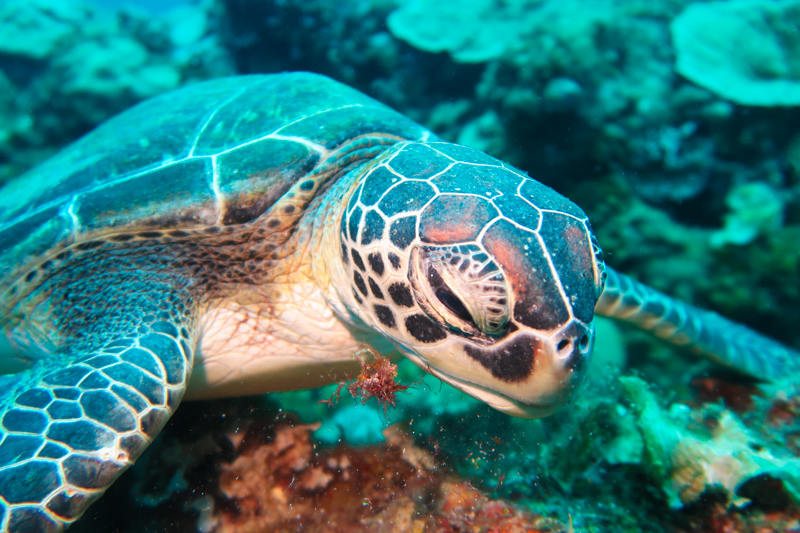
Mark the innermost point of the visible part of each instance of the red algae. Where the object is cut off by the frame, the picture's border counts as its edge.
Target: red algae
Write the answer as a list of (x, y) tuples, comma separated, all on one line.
[(287, 485), (378, 379), (738, 397), (717, 518)]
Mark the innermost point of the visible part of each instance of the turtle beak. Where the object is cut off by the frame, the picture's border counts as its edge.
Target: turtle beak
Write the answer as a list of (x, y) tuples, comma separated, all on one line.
[(499, 401), (528, 375)]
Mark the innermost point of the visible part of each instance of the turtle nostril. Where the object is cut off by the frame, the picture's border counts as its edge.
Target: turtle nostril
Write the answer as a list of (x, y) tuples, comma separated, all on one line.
[(564, 345), (583, 344)]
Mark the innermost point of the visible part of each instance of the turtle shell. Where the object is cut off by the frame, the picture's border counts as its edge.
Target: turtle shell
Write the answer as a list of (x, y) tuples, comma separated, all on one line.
[(214, 153)]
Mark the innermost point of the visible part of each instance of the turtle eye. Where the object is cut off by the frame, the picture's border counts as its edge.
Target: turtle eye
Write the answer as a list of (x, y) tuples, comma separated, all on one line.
[(461, 288), (446, 296), (600, 265)]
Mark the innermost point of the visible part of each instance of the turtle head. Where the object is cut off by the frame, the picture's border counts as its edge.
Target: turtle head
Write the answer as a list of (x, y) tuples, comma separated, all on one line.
[(479, 274)]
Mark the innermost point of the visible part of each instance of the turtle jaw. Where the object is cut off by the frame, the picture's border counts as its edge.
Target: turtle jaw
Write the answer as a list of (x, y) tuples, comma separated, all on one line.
[(549, 394), (499, 401), (528, 375)]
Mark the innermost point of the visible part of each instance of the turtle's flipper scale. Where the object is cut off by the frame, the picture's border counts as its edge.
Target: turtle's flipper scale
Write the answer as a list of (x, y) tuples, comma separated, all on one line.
[(74, 422), (703, 332)]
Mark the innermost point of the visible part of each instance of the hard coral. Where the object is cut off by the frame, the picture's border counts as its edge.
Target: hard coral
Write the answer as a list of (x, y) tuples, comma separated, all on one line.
[(691, 452)]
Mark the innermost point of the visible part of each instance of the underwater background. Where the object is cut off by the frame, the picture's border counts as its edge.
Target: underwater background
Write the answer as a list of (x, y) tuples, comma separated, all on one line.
[(674, 124)]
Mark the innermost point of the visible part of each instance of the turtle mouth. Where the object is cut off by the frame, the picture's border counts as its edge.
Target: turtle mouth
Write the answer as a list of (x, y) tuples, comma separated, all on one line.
[(494, 399)]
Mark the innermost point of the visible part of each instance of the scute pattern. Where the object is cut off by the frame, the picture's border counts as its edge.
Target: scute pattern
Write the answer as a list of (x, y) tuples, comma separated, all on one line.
[(703, 332), (442, 196), (218, 152), (66, 438)]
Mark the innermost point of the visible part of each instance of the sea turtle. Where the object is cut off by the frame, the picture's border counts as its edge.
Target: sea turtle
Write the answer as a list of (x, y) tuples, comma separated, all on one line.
[(244, 235)]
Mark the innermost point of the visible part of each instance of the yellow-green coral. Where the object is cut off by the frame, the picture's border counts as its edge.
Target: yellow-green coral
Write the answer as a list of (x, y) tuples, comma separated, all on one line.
[(688, 455)]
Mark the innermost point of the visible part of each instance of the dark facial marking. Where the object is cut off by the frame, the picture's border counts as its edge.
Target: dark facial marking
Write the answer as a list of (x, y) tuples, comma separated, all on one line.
[(424, 329), (403, 232), (360, 283), (488, 269), (385, 315), (345, 255), (479, 180), (375, 289), (376, 263), (288, 209), (518, 210), (307, 185), (357, 297), (511, 362), (394, 260), (343, 226), (357, 260), (120, 238), (354, 198), (273, 223), (401, 294)]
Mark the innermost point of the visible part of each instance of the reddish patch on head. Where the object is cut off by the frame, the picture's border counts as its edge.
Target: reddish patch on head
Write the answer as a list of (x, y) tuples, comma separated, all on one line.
[(579, 247), (506, 253), (455, 219), (523, 262)]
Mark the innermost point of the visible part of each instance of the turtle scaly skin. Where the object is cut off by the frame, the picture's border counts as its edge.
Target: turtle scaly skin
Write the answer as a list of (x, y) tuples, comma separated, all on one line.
[(244, 235), (702, 332)]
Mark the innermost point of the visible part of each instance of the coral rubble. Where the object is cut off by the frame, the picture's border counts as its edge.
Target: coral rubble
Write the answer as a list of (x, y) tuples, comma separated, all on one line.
[(285, 485)]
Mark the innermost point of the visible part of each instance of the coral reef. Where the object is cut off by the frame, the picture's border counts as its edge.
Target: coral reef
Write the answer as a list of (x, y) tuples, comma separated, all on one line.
[(472, 32), (242, 476), (691, 452), (755, 209), (285, 485), (741, 50), (612, 462), (71, 64)]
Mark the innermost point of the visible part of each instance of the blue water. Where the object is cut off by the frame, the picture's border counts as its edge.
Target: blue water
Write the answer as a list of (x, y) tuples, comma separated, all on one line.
[(155, 6)]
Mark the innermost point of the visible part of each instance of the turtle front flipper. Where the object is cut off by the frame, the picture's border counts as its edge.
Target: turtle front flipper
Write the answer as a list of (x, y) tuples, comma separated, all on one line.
[(76, 420), (703, 332)]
